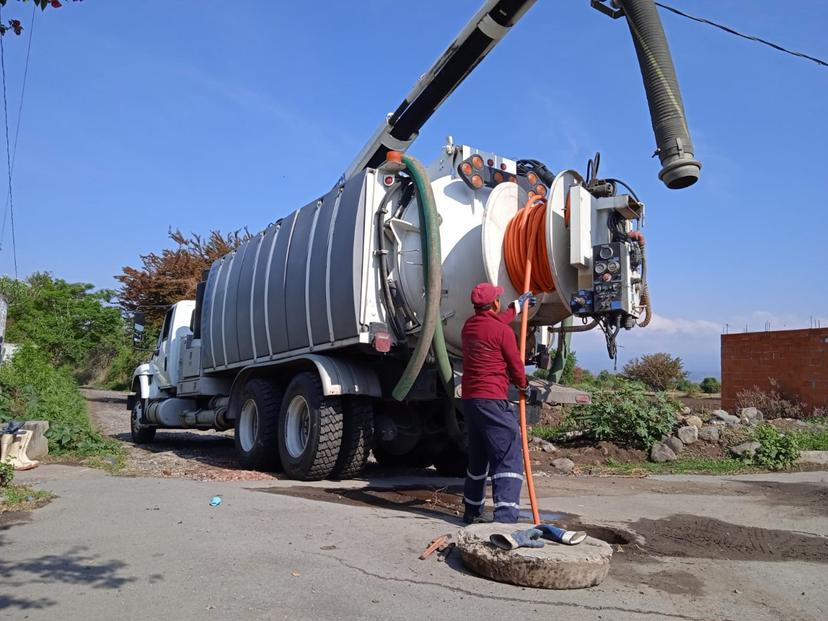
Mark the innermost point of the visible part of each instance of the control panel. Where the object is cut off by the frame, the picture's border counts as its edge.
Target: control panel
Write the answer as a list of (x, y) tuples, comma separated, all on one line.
[(614, 277)]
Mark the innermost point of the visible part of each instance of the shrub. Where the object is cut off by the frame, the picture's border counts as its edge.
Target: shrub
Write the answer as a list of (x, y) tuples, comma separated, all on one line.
[(777, 451), (6, 474), (657, 371), (771, 403), (687, 386), (541, 373), (582, 376), (34, 390), (710, 385), (627, 416)]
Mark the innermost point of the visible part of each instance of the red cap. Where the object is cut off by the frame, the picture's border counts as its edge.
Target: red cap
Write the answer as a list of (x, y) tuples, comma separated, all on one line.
[(485, 293)]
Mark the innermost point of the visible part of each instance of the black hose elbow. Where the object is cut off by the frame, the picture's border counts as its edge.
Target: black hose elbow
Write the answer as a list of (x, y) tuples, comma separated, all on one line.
[(679, 168)]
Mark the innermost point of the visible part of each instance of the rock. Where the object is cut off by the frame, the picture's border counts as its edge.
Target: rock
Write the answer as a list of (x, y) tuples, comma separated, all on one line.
[(686, 410), (550, 567), (38, 446), (675, 444), (688, 434), (745, 449), (661, 453), (751, 414), (709, 434), (563, 465), (728, 419), (694, 420), (819, 458), (546, 447)]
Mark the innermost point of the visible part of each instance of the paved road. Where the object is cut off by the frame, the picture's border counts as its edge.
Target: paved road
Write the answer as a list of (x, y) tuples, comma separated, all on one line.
[(142, 547)]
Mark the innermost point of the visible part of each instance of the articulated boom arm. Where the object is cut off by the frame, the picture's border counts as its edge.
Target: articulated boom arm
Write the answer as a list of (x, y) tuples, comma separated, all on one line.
[(489, 25)]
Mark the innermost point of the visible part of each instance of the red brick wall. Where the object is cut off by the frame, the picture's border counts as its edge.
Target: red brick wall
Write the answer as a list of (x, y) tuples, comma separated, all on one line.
[(796, 359)]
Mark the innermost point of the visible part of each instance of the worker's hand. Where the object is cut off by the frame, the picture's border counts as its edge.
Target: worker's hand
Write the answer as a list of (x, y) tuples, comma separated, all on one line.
[(525, 391), (528, 296)]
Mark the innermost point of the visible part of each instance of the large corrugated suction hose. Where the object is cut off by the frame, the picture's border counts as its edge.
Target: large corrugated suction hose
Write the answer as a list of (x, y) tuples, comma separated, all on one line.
[(679, 168), (431, 331)]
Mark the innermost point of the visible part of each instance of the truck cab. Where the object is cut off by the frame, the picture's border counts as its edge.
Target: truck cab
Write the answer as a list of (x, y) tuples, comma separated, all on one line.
[(176, 329)]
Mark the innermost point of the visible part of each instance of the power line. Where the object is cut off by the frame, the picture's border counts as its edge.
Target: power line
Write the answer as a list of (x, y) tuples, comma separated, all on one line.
[(19, 117), (8, 151), (744, 36)]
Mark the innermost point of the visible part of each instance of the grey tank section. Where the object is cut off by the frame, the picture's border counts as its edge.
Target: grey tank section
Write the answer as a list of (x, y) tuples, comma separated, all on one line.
[(295, 285)]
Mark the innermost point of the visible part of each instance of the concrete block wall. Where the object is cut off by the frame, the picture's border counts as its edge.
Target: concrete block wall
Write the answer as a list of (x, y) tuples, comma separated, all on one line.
[(796, 359)]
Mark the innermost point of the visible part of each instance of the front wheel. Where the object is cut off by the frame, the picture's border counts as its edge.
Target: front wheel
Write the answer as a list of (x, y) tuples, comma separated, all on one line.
[(310, 429), (140, 433)]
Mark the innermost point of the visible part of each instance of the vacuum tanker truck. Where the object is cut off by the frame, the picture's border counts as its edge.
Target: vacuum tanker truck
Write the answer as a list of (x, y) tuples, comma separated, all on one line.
[(337, 330)]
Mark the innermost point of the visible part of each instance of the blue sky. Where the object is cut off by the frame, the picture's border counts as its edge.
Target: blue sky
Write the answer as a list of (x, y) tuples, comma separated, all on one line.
[(145, 115)]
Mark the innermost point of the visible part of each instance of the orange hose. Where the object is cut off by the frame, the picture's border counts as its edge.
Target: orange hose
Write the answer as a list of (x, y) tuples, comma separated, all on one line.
[(524, 248)]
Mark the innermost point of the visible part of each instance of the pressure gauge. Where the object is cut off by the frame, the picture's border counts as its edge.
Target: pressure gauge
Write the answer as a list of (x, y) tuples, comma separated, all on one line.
[(605, 252), (600, 268), (613, 266)]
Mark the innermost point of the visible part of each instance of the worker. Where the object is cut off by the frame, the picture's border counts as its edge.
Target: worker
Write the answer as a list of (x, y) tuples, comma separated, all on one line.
[(490, 361)]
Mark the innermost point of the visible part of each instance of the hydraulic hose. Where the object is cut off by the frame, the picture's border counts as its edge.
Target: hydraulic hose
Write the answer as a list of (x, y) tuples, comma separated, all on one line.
[(432, 275), (679, 169), (564, 344)]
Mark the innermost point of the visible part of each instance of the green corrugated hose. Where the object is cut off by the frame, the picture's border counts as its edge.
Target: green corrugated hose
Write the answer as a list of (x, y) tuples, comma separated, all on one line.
[(431, 332)]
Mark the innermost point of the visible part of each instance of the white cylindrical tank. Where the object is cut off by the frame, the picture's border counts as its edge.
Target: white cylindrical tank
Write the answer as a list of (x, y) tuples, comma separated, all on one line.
[(472, 228)]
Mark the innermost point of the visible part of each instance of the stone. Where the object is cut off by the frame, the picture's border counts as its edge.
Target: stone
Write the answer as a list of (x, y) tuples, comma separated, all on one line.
[(563, 465), (728, 419), (751, 414), (694, 420), (39, 445), (550, 567), (688, 434), (661, 453), (745, 449), (546, 447), (675, 444), (709, 434), (818, 458), (686, 410)]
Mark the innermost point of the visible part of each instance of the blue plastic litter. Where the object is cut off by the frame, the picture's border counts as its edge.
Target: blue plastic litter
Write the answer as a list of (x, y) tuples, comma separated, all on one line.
[(215, 501)]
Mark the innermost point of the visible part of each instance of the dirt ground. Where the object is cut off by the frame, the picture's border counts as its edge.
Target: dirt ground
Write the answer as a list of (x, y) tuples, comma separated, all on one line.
[(197, 455)]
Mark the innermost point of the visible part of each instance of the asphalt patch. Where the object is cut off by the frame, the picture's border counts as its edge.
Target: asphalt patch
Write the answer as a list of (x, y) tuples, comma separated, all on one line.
[(693, 536)]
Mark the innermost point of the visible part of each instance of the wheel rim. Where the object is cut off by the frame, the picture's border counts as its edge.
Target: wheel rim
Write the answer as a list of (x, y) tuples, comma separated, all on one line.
[(248, 424), (297, 428), (136, 417)]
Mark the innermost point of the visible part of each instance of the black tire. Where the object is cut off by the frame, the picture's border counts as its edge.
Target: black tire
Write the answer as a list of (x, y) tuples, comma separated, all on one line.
[(357, 437), (140, 434), (310, 429), (257, 425)]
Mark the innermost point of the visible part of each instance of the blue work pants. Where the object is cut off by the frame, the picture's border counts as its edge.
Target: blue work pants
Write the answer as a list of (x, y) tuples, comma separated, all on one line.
[(495, 451)]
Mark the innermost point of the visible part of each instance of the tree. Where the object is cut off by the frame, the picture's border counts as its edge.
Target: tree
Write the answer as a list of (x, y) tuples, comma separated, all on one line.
[(710, 385), (656, 371), (173, 274), (16, 26), (66, 321)]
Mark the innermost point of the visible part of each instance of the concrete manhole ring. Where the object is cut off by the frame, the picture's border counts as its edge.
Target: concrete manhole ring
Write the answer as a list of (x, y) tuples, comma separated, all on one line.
[(553, 566)]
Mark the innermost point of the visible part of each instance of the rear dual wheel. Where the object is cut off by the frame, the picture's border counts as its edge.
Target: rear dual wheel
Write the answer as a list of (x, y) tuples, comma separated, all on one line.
[(307, 434), (257, 425)]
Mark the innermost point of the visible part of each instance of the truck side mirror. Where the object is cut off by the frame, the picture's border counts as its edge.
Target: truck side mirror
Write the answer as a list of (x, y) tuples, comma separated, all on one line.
[(137, 329)]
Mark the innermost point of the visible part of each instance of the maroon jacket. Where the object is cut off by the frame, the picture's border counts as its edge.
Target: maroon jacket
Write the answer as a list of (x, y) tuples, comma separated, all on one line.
[(490, 356)]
